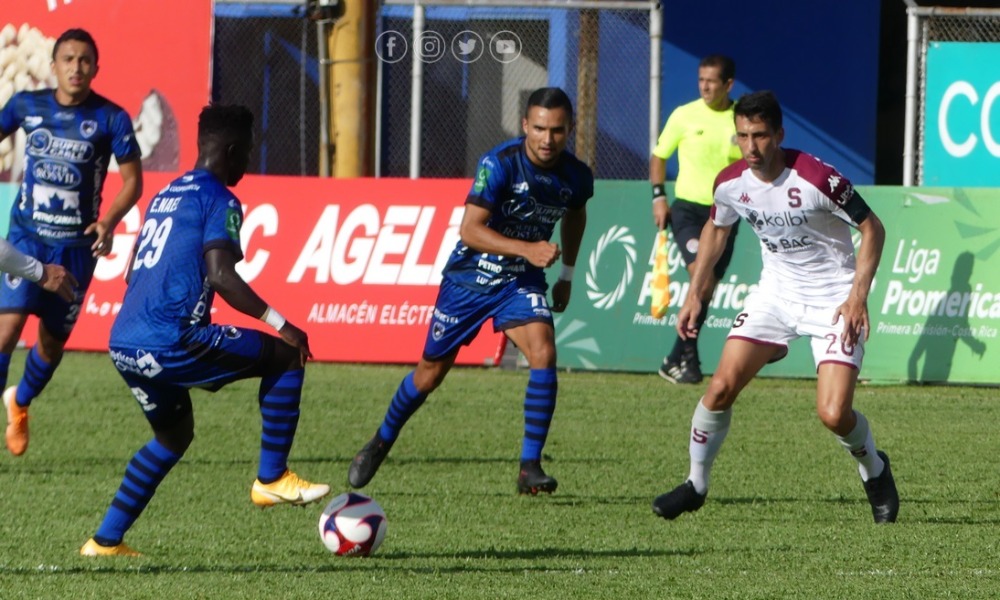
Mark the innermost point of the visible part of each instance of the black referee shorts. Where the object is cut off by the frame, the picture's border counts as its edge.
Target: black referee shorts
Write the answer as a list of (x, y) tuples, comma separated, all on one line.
[(686, 222)]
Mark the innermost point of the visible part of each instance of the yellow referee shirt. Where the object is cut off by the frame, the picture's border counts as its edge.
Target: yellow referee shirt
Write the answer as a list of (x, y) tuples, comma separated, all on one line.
[(705, 141)]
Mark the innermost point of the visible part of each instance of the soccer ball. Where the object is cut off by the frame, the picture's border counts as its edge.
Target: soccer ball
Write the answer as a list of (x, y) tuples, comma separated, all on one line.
[(352, 524)]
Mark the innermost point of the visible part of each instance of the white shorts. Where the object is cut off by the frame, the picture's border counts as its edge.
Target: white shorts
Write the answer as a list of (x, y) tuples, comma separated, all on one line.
[(773, 321)]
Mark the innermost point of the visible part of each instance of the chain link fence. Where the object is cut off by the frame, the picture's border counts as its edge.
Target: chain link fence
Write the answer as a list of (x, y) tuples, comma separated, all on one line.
[(937, 24), (476, 65), (265, 59)]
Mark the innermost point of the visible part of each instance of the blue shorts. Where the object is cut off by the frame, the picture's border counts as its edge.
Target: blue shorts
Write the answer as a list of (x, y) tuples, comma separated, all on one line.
[(207, 358), (460, 312), (18, 295)]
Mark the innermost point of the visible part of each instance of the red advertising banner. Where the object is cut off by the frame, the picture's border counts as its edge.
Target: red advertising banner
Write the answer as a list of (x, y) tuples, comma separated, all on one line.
[(154, 60), (356, 263)]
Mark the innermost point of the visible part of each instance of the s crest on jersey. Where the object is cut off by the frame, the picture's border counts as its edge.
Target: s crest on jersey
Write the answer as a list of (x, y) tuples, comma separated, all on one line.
[(437, 330)]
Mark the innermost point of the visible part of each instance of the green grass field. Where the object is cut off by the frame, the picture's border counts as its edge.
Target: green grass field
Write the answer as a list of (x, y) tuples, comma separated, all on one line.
[(786, 517)]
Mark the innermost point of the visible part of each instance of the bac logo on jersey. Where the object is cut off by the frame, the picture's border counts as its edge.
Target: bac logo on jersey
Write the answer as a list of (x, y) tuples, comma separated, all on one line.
[(88, 128)]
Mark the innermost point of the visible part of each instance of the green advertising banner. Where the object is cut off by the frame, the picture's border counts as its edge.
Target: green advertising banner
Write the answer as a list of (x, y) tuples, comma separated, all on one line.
[(935, 303)]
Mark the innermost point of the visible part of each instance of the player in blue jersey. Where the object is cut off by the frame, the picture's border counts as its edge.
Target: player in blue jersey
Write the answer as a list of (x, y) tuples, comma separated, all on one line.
[(72, 133), (522, 188), (163, 342)]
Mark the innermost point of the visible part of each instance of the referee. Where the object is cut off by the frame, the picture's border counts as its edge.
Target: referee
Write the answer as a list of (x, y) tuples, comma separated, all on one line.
[(703, 134)]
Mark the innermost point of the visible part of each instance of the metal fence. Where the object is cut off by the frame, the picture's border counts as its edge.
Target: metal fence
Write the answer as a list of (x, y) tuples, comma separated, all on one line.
[(454, 78), (927, 25)]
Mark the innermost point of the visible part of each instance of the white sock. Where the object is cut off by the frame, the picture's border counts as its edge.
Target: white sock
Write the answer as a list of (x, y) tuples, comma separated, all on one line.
[(860, 443), (708, 431)]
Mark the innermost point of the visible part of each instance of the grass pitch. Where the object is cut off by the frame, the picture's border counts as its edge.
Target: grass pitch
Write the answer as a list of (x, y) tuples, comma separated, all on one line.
[(786, 516)]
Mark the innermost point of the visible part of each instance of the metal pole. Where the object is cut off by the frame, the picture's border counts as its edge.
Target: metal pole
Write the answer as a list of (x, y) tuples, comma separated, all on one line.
[(655, 60), (910, 127), (416, 92), (378, 118), (324, 99)]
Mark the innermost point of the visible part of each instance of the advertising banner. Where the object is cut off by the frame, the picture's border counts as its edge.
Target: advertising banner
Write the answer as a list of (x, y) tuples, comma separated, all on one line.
[(934, 306), (154, 61), (355, 263), (962, 116)]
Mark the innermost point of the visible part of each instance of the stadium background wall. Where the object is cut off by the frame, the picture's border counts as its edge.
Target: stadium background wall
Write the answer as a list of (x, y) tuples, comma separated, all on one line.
[(356, 263)]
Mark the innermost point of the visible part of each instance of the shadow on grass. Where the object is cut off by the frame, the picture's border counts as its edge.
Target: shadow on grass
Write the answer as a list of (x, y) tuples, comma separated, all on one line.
[(381, 562)]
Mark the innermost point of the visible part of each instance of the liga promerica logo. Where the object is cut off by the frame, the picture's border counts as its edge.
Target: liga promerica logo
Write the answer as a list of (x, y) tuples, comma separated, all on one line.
[(616, 243)]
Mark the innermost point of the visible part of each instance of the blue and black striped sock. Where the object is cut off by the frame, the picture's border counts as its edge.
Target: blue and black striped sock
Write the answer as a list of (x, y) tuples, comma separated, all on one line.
[(404, 403), (279, 410), (539, 404), (144, 473), (37, 374)]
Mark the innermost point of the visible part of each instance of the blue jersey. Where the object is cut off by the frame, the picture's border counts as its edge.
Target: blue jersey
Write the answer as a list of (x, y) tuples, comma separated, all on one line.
[(526, 201), (168, 293), (67, 150)]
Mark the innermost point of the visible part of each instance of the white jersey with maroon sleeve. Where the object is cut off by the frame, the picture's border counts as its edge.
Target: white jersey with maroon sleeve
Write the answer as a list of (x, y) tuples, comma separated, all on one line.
[(803, 219)]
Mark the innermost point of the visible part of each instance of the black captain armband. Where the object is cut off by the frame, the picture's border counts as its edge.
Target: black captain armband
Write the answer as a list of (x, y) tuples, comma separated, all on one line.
[(856, 208), (659, 191)]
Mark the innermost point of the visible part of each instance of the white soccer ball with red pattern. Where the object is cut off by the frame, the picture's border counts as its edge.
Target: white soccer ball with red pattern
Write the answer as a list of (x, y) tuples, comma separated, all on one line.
[(352, 524)]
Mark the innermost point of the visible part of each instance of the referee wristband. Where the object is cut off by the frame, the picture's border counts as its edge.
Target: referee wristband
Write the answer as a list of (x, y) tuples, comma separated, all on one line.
[(567, 273), (659, 192), (273, 318)]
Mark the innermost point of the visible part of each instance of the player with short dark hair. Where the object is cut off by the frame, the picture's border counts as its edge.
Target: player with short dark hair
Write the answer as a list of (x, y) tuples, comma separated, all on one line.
[(813, 284), (702, 134), (163, 342), (522, 188), (72, 133)]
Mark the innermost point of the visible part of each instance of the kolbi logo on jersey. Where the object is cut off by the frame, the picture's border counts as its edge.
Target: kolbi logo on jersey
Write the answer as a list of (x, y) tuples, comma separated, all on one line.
[(759, 220)]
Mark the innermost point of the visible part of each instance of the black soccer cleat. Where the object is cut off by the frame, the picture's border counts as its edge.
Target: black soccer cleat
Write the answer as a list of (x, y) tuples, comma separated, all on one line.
[(368, 460), (681, 372), (678, 501), (882, 494), (533, 479)]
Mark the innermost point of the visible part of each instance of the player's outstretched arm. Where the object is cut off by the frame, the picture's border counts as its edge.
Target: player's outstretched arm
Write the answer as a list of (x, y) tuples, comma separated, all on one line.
[(854, 310), (477, 235), (224, 279)]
